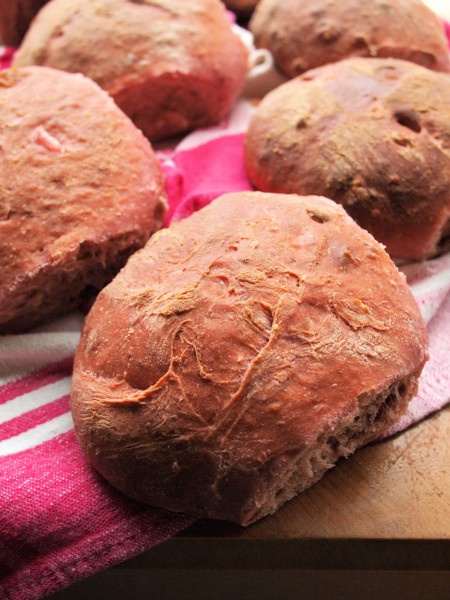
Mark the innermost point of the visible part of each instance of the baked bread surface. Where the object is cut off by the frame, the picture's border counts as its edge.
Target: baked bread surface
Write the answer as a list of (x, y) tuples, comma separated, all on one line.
[(170, 65), (241, 353), (373, 135), (305, 34), (80, 190)]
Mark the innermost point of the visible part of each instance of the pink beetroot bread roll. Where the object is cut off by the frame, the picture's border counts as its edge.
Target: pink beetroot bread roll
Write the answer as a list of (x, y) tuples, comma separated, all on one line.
[(370, 133), (304, 34), (80, 190), (242, 352), (171, 65)]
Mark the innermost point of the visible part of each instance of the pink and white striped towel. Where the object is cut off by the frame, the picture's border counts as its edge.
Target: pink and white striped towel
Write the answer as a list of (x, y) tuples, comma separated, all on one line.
[(59, 521)]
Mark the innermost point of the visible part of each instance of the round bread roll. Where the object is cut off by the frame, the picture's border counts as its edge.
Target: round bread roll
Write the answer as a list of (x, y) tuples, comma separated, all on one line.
[(303, 35), (15, 18), (241, 353), (373, 135), (81, 189), (170, 65)]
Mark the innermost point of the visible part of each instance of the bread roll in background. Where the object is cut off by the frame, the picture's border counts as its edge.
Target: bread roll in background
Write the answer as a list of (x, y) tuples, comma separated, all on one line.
[(80, 190), (303, 35), (242, 352), (15, 18), (170, 65), (373, 135)]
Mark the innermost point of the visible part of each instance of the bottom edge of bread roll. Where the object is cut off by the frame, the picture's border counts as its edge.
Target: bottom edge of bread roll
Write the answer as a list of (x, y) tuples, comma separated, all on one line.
[(377, 415), (244, 496)]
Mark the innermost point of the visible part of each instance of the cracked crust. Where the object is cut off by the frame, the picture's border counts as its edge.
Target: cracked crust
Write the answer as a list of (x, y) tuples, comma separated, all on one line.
[(237, 348), (305, 34), (170, 65), (70, 213), (371, 134)]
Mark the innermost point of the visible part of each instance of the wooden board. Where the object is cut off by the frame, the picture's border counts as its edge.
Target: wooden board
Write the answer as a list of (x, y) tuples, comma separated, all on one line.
[(378, 524)]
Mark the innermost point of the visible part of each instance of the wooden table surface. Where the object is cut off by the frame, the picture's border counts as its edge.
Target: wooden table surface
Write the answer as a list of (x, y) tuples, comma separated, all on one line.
[(376, 526)]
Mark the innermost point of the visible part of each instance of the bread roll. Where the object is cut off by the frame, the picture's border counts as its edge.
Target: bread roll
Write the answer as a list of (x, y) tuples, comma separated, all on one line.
[(15, 18), (373, 135), (303, 35), (80, 189), (241, 353), (170, 65)]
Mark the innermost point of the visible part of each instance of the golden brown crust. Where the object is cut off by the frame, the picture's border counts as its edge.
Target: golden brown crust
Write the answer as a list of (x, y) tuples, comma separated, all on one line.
[(81, 188), (234, 344), (373, 135), (171, 65), (15, 19), (305, 34)]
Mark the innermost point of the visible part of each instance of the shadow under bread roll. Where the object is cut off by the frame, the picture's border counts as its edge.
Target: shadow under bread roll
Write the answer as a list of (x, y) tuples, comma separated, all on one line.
[(242, 8)]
